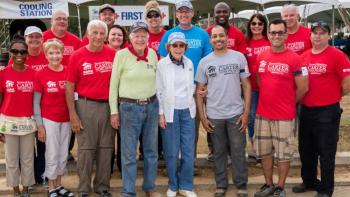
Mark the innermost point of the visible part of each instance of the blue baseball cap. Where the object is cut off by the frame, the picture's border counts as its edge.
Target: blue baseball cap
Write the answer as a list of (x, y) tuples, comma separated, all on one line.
[(176, 37), (184, 3)]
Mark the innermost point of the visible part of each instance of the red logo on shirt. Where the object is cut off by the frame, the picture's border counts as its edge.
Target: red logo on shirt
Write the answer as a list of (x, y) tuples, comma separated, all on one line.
[(51, 86), (278, 68), (103, 67), (296, 46), (25, 86), (262, 66), (317, 68), (68, 50)]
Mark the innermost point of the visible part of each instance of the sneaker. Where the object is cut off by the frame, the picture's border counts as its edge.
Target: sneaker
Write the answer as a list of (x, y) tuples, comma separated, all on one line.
[(220, 192), (301, 188), (242, 193), (210, 157), (279, 192), (170, 193), (265, 190), (53, 193), (188, 193)]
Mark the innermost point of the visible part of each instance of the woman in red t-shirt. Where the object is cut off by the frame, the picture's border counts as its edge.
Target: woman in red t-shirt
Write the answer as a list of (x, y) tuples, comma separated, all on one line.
[(117, 37), (17, 128), (256, 43), (51, 116)]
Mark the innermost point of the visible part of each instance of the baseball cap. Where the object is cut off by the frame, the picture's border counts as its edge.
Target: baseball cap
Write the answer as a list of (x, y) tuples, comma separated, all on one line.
[(183, 3), (152, 6), (32, 29), (323, 25), (176, 37), (106, 6), (138, 25)]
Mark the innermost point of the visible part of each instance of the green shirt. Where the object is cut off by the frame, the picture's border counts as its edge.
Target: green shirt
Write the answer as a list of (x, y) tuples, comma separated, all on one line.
[(132, 79)]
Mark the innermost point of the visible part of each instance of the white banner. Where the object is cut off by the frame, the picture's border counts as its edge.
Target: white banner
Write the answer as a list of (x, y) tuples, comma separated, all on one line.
[(127, 15), (11, 9)]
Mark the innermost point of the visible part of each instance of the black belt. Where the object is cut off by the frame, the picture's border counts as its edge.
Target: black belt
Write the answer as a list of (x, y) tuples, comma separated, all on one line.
[(95, 100), (138, 101)]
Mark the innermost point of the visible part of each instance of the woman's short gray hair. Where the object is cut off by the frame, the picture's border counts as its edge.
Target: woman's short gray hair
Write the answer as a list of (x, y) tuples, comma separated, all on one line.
[(97, 23)]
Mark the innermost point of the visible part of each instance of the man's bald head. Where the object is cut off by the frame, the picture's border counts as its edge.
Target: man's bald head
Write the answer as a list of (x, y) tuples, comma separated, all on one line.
[(59, 23)]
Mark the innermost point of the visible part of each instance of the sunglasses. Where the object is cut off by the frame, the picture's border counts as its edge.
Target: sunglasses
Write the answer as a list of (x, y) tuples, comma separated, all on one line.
[(153, 15), (16, 51), (277, 33), (258, 23), (175, 45)]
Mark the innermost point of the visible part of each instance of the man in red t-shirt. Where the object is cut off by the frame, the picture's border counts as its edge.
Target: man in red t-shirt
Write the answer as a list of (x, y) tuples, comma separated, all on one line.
[(282, 82), (59, 30), (329, 80), (298, 36), (154, 22), (236, 40), (106, 13), (89, 76)]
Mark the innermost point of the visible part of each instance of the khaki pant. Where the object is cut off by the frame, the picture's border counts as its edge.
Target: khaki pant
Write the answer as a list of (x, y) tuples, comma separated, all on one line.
[(95, 141), (19, 153)]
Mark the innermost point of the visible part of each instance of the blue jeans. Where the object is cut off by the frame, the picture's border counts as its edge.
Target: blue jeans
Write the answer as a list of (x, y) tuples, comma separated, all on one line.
[(138, 120), (178, 137), (251, 120)]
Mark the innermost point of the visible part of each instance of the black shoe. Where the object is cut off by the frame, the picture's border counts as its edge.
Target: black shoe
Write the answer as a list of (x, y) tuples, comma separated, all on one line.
[(104, 194), (321, 195), (141, 157), (70, 157), (301, 188)]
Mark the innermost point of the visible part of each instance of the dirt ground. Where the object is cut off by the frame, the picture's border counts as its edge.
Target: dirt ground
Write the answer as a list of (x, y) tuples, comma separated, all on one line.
[(343, 145)]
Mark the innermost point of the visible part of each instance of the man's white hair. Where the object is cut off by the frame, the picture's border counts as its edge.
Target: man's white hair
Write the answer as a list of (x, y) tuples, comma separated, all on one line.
[(97, 23), (290, 6)]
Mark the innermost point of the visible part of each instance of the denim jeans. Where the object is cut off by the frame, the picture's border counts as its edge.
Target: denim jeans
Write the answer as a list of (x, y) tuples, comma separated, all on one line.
[(226, 133), (178, 137), (139, 120), (251, 120)]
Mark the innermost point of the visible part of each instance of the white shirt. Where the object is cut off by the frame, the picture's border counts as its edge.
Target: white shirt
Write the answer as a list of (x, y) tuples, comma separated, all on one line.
[(168, 89)]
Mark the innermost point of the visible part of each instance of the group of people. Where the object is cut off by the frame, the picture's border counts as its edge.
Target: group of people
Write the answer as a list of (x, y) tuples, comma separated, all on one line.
[(155, 84)]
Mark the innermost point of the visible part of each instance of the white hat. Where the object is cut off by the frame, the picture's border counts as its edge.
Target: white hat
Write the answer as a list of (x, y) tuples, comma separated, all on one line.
[(32, 29)]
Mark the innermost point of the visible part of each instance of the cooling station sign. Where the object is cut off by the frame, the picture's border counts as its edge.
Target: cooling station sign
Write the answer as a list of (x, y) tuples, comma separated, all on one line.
[(31, 10)]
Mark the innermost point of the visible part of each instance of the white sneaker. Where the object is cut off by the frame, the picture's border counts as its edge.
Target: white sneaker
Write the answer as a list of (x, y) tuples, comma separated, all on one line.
[(188, 193), (171, 193)]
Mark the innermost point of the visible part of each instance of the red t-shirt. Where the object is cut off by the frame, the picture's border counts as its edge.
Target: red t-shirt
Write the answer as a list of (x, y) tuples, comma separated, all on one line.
[(51, 84), (299, 41), (277, 97), (236, 40), (154, 41), (326, 71), (84, 41), (37, 63), (254, 48), (71, 43), (17, 91), (91, 72)]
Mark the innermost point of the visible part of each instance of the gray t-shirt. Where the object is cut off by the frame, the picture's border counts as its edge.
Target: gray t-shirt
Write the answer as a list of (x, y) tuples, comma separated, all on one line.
[(222, 75)]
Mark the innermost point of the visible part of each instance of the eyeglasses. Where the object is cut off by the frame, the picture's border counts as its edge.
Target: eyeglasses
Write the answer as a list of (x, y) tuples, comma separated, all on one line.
[(277, 33), (258, 23), (16, 51), (153, 15), (178, 45)]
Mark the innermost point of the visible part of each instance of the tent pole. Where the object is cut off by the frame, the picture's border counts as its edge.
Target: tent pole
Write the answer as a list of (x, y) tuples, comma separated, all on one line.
[(79, 25), (333, 25)]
